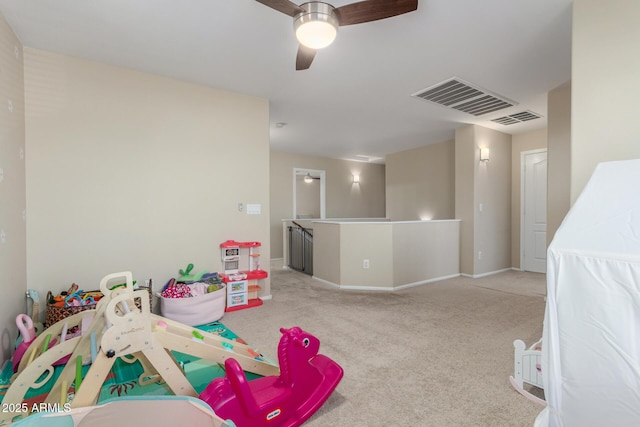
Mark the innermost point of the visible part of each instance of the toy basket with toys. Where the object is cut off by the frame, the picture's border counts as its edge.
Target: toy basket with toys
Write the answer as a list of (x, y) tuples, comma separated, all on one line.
[(74, 301), (68, 303)]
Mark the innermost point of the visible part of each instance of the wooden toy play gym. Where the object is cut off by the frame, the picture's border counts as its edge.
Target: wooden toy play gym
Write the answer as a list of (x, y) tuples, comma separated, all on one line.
[(122, 326)]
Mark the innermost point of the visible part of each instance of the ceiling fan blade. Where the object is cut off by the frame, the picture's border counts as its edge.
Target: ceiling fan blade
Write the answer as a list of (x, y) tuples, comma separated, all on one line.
[(305, 57), (284, 6), (372, 10)]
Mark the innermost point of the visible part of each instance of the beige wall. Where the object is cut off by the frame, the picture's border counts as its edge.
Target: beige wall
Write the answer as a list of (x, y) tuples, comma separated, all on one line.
[(425, 251), (326, 251), (13, 255), (483, 200), (465, 170), (421, 183), (360, 241), (559, 158), (132, 171), (605, 70), (493, 191), (344, 199), (521, 142)]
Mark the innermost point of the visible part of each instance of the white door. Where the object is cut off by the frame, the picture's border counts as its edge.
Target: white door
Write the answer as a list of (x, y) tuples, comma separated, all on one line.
[(534, 211)]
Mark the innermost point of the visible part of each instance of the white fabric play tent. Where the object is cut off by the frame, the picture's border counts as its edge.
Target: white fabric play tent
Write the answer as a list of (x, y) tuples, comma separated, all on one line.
[(591, 337)]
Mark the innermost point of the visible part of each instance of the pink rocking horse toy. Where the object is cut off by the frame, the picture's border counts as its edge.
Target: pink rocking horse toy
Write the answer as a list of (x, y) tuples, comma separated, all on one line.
[(306, 380)]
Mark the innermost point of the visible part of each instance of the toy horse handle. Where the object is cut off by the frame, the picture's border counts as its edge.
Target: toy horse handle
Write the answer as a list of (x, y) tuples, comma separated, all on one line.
[(240, 386), (26, 328)]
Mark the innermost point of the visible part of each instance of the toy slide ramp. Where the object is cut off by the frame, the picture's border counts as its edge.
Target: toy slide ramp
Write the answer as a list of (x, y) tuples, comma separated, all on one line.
[(144, 411)]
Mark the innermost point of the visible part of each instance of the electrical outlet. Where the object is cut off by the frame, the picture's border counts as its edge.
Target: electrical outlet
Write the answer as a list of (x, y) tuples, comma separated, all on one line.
[(240, 207), (365, 263), (479, 255)]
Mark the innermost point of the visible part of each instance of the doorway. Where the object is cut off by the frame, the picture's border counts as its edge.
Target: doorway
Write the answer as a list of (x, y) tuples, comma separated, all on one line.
[(533, 211), (309, 192)]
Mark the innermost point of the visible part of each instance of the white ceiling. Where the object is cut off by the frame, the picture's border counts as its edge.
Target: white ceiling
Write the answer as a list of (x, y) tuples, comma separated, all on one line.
[(356, 97)]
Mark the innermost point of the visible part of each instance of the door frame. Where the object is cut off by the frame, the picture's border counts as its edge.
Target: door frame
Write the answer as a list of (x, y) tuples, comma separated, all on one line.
[(523, 155)]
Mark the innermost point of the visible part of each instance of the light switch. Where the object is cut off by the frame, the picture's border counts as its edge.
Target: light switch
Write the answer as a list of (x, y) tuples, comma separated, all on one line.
[(253, 209)]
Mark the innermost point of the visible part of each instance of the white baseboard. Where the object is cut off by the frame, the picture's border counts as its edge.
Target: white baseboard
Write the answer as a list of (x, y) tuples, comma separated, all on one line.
[(356, 288), (384, 288), (491, 273), (424, 282), (367, 288), (326, 282)]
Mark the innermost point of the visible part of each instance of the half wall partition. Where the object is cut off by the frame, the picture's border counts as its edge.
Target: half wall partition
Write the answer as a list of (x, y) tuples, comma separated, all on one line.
[(386, 255)]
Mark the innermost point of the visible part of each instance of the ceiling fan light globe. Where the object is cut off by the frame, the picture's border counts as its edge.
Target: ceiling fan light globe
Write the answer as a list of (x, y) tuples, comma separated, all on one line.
[(317, 26), (316, 34)]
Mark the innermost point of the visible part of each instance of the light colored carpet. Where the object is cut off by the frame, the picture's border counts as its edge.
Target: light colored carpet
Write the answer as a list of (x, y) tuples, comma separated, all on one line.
[(438, 354)]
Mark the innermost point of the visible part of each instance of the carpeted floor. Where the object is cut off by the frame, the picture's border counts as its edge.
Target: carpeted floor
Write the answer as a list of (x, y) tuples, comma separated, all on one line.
[(438, 354)]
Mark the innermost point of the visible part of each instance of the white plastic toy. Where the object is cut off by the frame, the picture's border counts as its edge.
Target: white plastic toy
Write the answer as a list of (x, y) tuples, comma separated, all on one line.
[(527, 369)]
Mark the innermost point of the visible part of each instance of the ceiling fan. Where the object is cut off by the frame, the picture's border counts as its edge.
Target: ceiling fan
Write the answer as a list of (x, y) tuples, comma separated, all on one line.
[(316, 23), (309, 179)]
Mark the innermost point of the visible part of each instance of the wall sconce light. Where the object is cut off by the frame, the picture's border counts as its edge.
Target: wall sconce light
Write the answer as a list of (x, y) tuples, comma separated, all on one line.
[(356, 179), (484, 154)]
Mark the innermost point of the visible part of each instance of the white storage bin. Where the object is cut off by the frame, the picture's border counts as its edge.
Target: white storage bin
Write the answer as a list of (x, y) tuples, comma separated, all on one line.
[(195, 311)]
